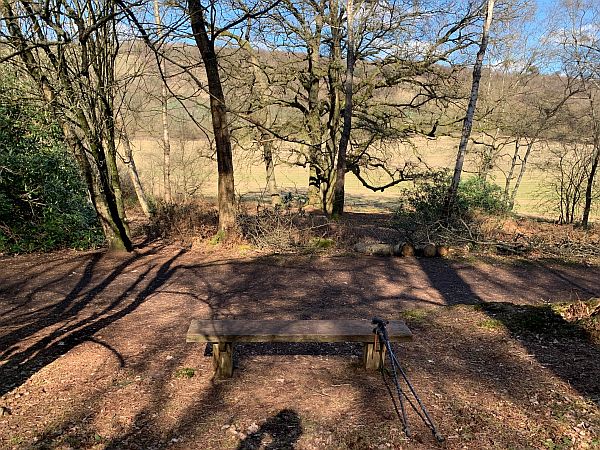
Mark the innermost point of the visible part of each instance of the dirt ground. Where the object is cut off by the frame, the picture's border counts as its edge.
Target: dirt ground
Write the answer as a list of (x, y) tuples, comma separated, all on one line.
[(93, 352)]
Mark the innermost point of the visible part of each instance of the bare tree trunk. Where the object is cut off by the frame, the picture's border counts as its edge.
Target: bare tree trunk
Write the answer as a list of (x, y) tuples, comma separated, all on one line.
[(468, 122), (166, 148), (315, 175), (117, 194), (511, 171), (115, 233), (218, 109), (267, 146), (593, 168), (334, 74), (590, 186), (264, 138), (133, 174), (339, 194), (164, 110), (517, 185), (101, 183)]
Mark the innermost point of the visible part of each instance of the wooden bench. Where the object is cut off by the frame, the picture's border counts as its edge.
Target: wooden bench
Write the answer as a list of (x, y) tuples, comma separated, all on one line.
[(222, 334)]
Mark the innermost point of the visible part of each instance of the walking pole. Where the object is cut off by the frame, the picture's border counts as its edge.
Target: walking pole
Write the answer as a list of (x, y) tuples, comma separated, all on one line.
[(381, 332)]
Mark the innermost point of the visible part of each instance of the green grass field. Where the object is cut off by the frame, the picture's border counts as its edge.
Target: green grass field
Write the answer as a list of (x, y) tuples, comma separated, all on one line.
[(193, 173)]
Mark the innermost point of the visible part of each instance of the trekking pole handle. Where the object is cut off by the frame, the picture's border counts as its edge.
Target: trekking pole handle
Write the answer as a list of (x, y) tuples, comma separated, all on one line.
[(380, 329), (379, 322)]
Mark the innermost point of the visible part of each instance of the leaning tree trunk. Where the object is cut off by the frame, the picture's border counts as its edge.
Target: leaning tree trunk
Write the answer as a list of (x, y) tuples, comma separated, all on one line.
[(111, 191), (511, 173), (468, 122), (339, 194), (218, 109), (133, 174), (116, 236), (593, 169), (513, 195)]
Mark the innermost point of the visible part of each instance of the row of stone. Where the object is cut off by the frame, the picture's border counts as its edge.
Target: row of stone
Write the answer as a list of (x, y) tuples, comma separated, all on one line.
[(403, 249)]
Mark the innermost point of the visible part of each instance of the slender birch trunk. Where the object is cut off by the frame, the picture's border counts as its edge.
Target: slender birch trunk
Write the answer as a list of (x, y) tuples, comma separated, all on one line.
[(133, 174), (468, 122), (164, 112)]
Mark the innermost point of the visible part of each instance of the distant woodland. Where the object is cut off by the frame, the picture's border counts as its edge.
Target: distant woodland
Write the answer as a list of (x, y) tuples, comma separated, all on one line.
[(110, 106)]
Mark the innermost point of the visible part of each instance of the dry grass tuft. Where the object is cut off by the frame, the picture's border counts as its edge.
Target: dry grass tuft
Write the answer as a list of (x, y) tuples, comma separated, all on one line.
[(183, 222), (285, 230)]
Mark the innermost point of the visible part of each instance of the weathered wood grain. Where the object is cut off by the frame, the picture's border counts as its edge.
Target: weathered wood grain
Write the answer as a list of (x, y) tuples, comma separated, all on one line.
[(231, 330)]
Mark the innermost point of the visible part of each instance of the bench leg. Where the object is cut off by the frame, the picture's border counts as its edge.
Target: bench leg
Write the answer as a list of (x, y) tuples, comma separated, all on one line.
[(373, 358), (223, 359)]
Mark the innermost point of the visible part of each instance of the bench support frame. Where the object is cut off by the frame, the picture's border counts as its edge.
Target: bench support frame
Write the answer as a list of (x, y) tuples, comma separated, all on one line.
[(222, 352), (373, 355), (222, 334), (223, 359)]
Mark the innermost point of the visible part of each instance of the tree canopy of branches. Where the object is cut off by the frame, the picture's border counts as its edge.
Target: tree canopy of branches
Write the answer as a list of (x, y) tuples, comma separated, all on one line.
[(397, 62), (333, 86)]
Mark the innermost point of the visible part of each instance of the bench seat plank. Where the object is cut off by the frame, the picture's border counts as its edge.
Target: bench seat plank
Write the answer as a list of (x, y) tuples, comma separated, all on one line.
[(232, 330)]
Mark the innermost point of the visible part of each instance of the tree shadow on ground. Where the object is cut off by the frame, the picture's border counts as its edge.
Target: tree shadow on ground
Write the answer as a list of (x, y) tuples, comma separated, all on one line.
[(548, 336), (540, 329), (264, 288), (69, 327), (282, 430)]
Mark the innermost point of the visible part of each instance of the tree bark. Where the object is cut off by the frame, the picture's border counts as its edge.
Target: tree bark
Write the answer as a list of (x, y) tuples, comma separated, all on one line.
[(133, 174), (513, 195), (115, 235), (339, 194), (315, 175), (589, 189), (468, 122), (218, 109), (267, 147), (511, 171), (164, 112)]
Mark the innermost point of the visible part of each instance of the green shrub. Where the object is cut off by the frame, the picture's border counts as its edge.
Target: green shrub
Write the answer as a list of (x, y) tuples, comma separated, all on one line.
[(477, 193), (43, 200), (185, 372), (320, 243), (427, 199), (422, 214)]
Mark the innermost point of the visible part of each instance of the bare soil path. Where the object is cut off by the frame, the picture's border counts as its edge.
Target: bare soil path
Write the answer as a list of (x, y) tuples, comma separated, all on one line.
[(92, 346)]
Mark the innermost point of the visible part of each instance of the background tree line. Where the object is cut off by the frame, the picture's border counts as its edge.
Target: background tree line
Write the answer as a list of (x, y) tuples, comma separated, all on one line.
[(330, 85)]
